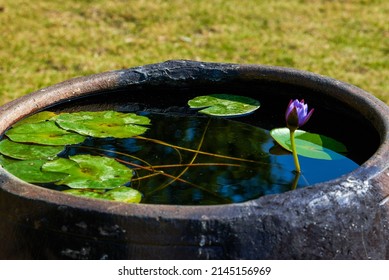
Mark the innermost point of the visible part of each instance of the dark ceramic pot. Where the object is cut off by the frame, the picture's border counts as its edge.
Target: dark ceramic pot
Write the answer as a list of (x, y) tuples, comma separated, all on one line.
[(345, 218)]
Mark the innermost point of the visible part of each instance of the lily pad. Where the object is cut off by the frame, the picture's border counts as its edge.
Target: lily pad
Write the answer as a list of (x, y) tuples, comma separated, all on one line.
[(104, 124), (120, 194), (224, 104), (124, 194), (30, 171), (37, 118), (88, 193), (28, 151), (4, 161), (90, 172), (310, 144), (45, 133)]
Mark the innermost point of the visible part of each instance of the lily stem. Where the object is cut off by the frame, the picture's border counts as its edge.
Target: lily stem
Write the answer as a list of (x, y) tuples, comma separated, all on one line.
[(294, 151), (296, 180)]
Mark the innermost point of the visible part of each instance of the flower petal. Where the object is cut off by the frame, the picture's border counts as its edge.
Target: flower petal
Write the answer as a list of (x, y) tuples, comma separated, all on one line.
[(296, 114)]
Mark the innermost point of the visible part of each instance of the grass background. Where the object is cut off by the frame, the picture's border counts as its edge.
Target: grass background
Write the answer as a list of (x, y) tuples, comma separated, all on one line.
[(48, 41)]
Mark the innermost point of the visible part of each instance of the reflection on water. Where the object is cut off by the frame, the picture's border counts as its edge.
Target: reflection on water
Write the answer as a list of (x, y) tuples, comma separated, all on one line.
[(202, 161)]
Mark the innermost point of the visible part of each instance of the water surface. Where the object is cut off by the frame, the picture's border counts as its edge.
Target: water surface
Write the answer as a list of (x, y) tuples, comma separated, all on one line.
[(190, 160)]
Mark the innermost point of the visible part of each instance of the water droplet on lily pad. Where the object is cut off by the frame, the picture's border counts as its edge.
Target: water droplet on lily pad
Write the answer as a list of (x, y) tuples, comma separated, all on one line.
[(93, 172), (224, 104), (104, 124), (45, 133), (28, 151)]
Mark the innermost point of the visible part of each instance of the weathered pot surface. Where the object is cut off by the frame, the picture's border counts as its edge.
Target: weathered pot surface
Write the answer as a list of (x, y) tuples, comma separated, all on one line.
[(345, 218)]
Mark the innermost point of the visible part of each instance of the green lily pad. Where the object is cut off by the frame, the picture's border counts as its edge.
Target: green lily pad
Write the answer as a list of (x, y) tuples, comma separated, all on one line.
[(88, 193), (45, 133), (37, 118), (120, 194), (90, 172), (124, 194), (28, 151), (4, 161), (104, 124), (310, 144), (224, 104), (30, 171)]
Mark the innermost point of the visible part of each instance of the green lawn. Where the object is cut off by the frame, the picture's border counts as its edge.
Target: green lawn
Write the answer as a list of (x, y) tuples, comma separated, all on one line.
[(47, 41)]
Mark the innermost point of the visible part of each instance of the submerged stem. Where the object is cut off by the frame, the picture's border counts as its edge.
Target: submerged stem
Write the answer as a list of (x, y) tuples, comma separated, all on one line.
[(195, 164), (295, 180), (117, 153), (155, 172), (194, 151), (190, 163), (162, 173)]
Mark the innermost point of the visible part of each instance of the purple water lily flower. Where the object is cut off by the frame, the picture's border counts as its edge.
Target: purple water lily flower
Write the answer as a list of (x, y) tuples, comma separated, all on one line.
[(296, 114)]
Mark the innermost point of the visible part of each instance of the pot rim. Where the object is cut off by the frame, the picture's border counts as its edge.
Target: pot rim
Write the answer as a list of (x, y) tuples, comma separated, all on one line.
[(118, 79)]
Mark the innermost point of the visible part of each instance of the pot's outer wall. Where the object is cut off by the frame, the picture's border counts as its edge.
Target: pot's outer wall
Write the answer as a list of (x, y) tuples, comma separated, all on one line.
[(345, 218)]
